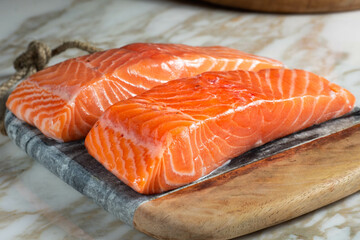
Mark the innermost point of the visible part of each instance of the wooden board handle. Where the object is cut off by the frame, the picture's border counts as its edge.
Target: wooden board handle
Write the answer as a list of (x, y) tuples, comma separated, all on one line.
[(259, 195)]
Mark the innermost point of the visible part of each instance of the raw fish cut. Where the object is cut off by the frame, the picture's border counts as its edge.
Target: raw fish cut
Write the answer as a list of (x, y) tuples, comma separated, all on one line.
[(182, 130), (65, 100)]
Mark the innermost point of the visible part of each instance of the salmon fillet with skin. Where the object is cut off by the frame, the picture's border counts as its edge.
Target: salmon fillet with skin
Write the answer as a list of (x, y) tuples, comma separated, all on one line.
[(65, 100), (180, 131)]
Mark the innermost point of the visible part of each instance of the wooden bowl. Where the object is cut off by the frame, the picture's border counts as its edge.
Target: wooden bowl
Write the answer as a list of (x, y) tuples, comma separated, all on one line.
[(291, 6)]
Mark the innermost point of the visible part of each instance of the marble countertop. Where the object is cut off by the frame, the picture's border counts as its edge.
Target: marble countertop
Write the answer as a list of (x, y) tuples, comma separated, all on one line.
[(34, 204)]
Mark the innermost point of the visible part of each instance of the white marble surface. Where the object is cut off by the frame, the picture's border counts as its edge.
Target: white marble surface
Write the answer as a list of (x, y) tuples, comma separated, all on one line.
[(34, 204)]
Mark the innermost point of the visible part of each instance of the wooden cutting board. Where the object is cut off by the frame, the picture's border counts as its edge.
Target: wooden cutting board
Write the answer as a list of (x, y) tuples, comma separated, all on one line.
[(263, 187), (291, 6)]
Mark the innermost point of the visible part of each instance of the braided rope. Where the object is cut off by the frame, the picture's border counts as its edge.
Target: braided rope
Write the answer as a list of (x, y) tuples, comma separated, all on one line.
[(34, 59)]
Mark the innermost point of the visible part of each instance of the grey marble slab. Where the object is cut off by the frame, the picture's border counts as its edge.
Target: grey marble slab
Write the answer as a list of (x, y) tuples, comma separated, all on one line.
[(71, 162)]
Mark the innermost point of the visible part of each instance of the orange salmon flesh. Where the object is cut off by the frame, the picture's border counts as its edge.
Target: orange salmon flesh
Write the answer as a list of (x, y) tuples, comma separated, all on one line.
[(65, 100), (182, 130)]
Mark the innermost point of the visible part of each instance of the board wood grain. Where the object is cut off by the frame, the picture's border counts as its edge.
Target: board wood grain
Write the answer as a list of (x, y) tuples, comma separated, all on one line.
[(291, 6), (258, 195)]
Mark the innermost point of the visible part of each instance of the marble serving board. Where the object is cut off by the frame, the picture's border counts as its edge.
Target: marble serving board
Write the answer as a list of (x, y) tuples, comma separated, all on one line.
[(71, 162)]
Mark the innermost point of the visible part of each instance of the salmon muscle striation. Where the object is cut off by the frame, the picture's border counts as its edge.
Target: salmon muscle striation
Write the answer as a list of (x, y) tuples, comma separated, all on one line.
[(65, 100), (180, 131)]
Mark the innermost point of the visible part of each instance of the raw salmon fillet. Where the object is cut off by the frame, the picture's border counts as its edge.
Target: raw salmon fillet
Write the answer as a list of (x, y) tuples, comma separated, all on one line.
[(65, 100), (180, 131)]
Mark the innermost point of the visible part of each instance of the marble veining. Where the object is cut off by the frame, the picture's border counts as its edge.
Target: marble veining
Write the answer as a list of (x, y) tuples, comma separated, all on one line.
[(71, 162), (35, 204)]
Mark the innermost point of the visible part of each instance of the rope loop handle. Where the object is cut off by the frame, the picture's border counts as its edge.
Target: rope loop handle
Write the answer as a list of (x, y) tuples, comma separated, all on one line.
[(37, 55), (34, 59)]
